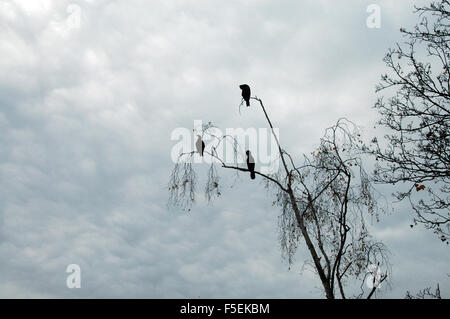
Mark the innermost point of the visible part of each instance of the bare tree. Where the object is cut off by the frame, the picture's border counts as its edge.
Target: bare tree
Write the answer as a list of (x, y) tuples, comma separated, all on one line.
[(417, 114), (323, 203)]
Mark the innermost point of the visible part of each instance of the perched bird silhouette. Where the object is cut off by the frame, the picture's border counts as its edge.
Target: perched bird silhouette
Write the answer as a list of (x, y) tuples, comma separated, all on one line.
[(200, 145), (245, 93), (250, 164)]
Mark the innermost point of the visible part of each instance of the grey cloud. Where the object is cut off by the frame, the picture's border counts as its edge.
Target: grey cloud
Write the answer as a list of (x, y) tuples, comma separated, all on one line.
[(85, 121)]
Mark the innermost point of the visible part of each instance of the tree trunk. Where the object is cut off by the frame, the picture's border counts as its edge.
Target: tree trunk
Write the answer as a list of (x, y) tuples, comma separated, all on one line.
[(323, 278)]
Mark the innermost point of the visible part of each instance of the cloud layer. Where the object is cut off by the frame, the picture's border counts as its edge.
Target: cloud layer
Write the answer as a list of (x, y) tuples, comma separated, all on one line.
[(90, 92)]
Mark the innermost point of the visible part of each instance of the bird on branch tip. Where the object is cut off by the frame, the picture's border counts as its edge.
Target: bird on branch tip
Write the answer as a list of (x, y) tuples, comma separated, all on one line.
[(245, 93)]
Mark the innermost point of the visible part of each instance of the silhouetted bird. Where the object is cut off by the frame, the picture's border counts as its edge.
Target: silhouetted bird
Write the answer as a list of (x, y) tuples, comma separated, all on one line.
[(200, 145), (245, 93), (250, 164)]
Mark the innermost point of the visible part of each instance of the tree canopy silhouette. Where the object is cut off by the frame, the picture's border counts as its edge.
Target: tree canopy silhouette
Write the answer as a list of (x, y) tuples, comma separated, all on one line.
[(323, 203), (417, 114)]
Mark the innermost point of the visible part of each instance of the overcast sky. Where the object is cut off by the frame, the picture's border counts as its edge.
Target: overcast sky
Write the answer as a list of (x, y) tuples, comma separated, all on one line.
[(90, 92)]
